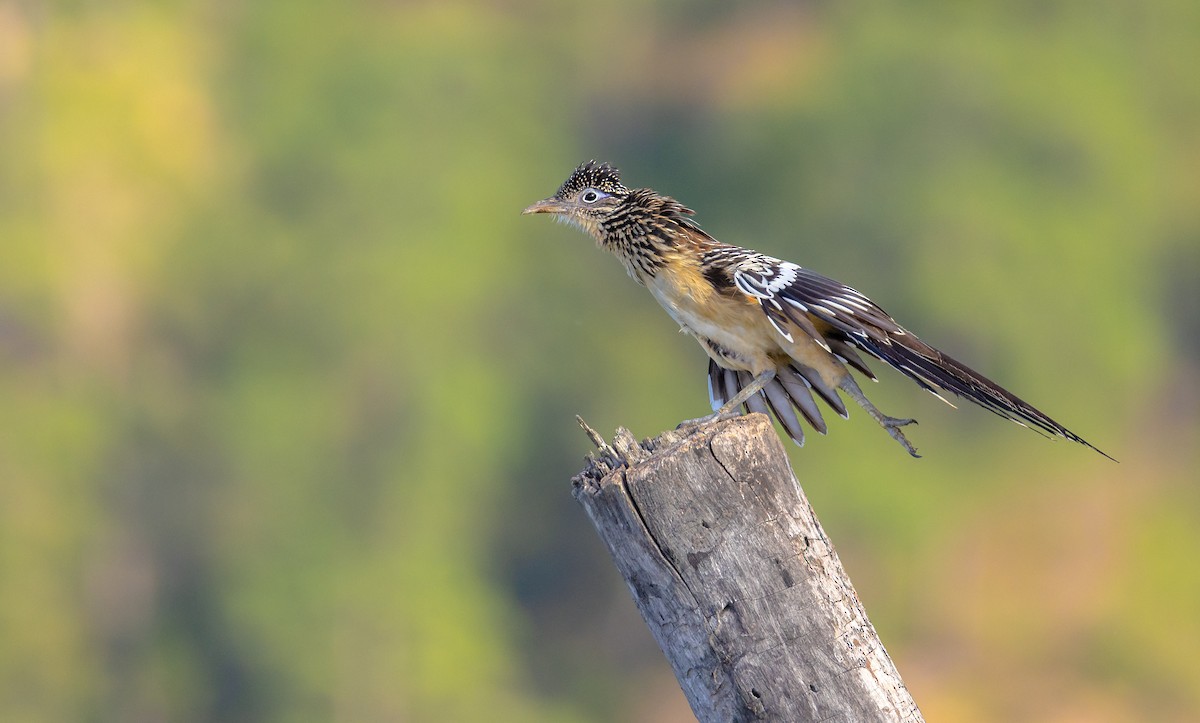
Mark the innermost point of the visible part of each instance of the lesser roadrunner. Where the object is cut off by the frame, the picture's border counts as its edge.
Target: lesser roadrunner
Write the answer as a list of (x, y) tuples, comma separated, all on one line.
[(774, 332)]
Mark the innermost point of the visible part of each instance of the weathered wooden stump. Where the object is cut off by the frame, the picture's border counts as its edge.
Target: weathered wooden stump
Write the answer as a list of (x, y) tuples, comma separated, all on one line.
[(731, 570)]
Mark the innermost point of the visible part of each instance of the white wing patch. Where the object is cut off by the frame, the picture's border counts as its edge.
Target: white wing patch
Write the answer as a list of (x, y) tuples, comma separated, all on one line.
[(765, 278), (785, 275)]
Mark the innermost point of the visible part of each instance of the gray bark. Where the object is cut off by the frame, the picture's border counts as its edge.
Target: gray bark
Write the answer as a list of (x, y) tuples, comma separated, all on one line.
[(731, 570)]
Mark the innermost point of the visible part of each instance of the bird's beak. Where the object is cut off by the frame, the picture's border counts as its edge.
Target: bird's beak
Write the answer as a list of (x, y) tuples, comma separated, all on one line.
[(549, 205)]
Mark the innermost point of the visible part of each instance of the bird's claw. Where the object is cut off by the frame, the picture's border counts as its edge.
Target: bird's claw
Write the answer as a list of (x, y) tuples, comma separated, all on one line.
[(717, 416), (893, 425)]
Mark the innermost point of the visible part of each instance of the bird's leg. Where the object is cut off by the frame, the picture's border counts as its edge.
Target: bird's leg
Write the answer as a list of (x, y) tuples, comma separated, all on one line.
[(891, 424), (729, 408)]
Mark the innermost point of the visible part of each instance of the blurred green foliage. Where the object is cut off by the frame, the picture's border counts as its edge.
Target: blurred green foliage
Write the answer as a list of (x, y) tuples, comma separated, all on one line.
[(288, 383)]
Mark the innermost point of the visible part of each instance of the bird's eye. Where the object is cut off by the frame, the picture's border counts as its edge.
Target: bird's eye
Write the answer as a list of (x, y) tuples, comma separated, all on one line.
[(591, 195)]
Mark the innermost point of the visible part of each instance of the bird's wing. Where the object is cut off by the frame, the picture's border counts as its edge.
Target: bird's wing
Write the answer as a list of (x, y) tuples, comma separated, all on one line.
[(799, 295), (792, 292), (766, 279)]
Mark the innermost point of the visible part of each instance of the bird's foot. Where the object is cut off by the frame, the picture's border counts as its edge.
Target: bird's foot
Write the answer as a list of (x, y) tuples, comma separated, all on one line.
[(893, 425), (732, 407), (718, 416)]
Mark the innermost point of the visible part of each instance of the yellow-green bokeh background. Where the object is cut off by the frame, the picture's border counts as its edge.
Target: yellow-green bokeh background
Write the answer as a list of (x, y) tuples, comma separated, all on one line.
[(287, 385)]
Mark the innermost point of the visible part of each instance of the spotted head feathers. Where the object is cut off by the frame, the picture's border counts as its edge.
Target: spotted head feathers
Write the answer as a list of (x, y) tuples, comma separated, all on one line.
[(593, 174)]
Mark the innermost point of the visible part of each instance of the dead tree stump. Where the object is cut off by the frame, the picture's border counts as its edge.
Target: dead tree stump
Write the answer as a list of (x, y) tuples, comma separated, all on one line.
[(737, 581)]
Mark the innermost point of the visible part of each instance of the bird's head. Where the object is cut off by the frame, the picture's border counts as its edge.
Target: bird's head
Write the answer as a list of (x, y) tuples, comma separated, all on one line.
[(592, 194)]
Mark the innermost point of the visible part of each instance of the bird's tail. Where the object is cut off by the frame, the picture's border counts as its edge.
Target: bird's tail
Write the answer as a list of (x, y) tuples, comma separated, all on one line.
[(789, 392), (935, 371)]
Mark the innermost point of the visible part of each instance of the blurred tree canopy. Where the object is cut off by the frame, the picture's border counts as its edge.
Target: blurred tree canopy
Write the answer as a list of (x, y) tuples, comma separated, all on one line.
[(288, 383)]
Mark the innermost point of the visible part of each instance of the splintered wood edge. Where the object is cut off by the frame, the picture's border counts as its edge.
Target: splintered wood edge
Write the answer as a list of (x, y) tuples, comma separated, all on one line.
[(626, 451)]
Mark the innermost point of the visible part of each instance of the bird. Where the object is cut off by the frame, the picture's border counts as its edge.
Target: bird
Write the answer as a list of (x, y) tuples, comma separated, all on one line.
[(775, 332)]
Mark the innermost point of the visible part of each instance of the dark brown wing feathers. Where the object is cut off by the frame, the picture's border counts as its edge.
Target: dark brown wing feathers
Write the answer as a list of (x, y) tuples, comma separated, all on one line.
[(850, 322)]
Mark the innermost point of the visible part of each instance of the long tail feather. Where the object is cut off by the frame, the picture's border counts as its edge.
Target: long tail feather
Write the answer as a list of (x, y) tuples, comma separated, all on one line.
[(756, 402), (845, 351), (781, 398), (932, 369), (819, 386), (781, 405), (801, 394)]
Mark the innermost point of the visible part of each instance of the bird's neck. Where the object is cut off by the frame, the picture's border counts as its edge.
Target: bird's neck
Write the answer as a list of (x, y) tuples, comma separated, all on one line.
[(643, 253), (649, 233)]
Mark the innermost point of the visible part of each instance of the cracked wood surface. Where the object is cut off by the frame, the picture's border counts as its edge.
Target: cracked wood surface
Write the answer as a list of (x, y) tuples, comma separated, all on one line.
[(737, 581)]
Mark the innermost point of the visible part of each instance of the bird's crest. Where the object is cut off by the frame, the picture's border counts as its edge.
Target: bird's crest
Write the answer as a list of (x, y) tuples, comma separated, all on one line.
[(593, 174)]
